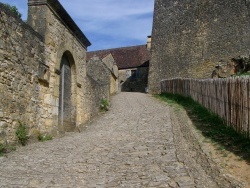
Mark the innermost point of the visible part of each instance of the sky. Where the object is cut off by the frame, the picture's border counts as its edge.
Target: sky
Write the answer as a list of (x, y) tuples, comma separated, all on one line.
[(106, 23)]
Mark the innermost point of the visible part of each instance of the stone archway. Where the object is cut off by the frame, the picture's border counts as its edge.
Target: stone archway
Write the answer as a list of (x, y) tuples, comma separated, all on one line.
[(67, 112)]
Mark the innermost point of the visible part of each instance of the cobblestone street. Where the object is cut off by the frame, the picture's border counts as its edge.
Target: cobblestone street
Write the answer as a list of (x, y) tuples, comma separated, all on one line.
[(140, 142)]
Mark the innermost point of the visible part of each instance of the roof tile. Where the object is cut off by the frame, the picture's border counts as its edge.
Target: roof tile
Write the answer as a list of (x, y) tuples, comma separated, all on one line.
[(126, 57)]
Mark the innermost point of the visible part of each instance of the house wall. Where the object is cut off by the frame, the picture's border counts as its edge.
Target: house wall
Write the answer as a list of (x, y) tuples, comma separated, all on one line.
[(190, 37)]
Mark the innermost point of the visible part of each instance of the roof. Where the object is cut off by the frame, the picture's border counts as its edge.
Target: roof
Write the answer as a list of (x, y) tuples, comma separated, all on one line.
[(65, 17), (125, 57)]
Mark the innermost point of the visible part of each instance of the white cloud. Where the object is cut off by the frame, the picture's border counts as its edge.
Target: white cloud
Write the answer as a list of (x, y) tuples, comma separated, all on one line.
[(107, 9), (122, 22), (107, 23)]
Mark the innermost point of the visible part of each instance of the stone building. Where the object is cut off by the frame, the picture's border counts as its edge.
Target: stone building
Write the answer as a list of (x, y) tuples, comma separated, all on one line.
[(132, 63), (109, 61), (97, 65), (43, 77), (191, 37)]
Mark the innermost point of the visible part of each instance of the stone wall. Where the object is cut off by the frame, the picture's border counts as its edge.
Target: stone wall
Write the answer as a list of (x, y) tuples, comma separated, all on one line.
[(114, 74), (43, 80), (21, 55), (59, 31), (62, 37), (190, 37), (100, 74), (97, 85)]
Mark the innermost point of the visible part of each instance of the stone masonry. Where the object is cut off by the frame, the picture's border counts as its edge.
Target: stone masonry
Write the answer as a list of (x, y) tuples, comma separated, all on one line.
[(51, 20), (104, 71), (98, 71), (110, 63), (190, 37), (43, 80), (21, 52)]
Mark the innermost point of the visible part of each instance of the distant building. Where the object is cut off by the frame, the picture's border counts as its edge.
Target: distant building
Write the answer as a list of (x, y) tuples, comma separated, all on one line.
[(132, 63)]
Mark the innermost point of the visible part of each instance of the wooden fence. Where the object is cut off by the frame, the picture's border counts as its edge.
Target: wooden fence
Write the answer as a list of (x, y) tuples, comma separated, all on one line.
[(228, 98)]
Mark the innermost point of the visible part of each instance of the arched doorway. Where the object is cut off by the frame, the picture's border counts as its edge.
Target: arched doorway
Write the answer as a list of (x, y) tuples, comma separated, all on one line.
[(66, 92)]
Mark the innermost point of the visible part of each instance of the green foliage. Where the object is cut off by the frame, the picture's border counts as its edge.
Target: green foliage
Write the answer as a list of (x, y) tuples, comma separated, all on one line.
[(2, 149), (22, 134), (211, 125), (104, 105), (242, 64), (6, 148), (13, 9), (243, 74), (43, 138)]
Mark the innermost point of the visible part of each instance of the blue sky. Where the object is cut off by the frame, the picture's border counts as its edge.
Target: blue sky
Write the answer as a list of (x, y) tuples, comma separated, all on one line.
[(106, 23)]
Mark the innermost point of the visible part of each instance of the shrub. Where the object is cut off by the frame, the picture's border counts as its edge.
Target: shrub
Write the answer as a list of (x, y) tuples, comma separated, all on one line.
[(2, 149), (104, 105), (13, 9), (22, 134), (43, 138), (5, 148)]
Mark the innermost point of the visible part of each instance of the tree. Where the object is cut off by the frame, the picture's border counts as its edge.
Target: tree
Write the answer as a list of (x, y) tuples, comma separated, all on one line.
[(13, 9)]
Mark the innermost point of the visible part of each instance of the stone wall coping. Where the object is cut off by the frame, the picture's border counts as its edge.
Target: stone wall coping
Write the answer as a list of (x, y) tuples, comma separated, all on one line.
[(65, 18)]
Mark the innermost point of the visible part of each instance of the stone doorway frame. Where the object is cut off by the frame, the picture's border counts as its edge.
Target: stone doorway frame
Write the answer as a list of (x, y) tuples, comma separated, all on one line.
[(71, 60)]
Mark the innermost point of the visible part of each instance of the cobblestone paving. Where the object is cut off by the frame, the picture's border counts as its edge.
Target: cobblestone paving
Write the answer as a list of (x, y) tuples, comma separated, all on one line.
[(138, 143)]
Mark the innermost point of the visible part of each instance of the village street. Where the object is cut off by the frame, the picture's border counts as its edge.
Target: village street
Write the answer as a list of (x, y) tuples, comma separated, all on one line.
[(138, 143)]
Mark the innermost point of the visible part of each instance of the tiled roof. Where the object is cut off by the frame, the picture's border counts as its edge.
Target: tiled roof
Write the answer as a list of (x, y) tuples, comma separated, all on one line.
[(126, 57)]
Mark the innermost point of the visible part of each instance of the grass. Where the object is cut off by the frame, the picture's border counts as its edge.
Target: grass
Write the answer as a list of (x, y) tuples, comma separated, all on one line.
[(6, 149), (2, 149), (22, 134), (104, 106), (211, 126), (243, 74), (43, 138)]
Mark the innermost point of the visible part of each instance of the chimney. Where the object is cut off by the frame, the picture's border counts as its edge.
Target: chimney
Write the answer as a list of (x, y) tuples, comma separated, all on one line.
[(149, 42)]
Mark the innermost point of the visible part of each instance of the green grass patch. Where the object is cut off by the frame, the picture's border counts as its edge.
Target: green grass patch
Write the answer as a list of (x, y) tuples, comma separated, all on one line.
[(44, 137), (211, 125), (104, 106), (22, 134), (243, 74), (2, 149), (6, 149)]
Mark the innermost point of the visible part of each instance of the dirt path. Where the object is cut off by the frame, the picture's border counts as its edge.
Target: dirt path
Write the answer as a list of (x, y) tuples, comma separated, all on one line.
[(140, 142)]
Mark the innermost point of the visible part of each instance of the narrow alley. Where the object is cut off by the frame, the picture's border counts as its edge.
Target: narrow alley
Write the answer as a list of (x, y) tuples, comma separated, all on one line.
[(138, 143)]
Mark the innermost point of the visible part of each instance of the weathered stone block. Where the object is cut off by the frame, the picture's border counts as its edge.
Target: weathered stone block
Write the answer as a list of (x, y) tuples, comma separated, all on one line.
[(3, 124), (115, 71), (50, 100), (48, 123), (1, 114), (55, 111)]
